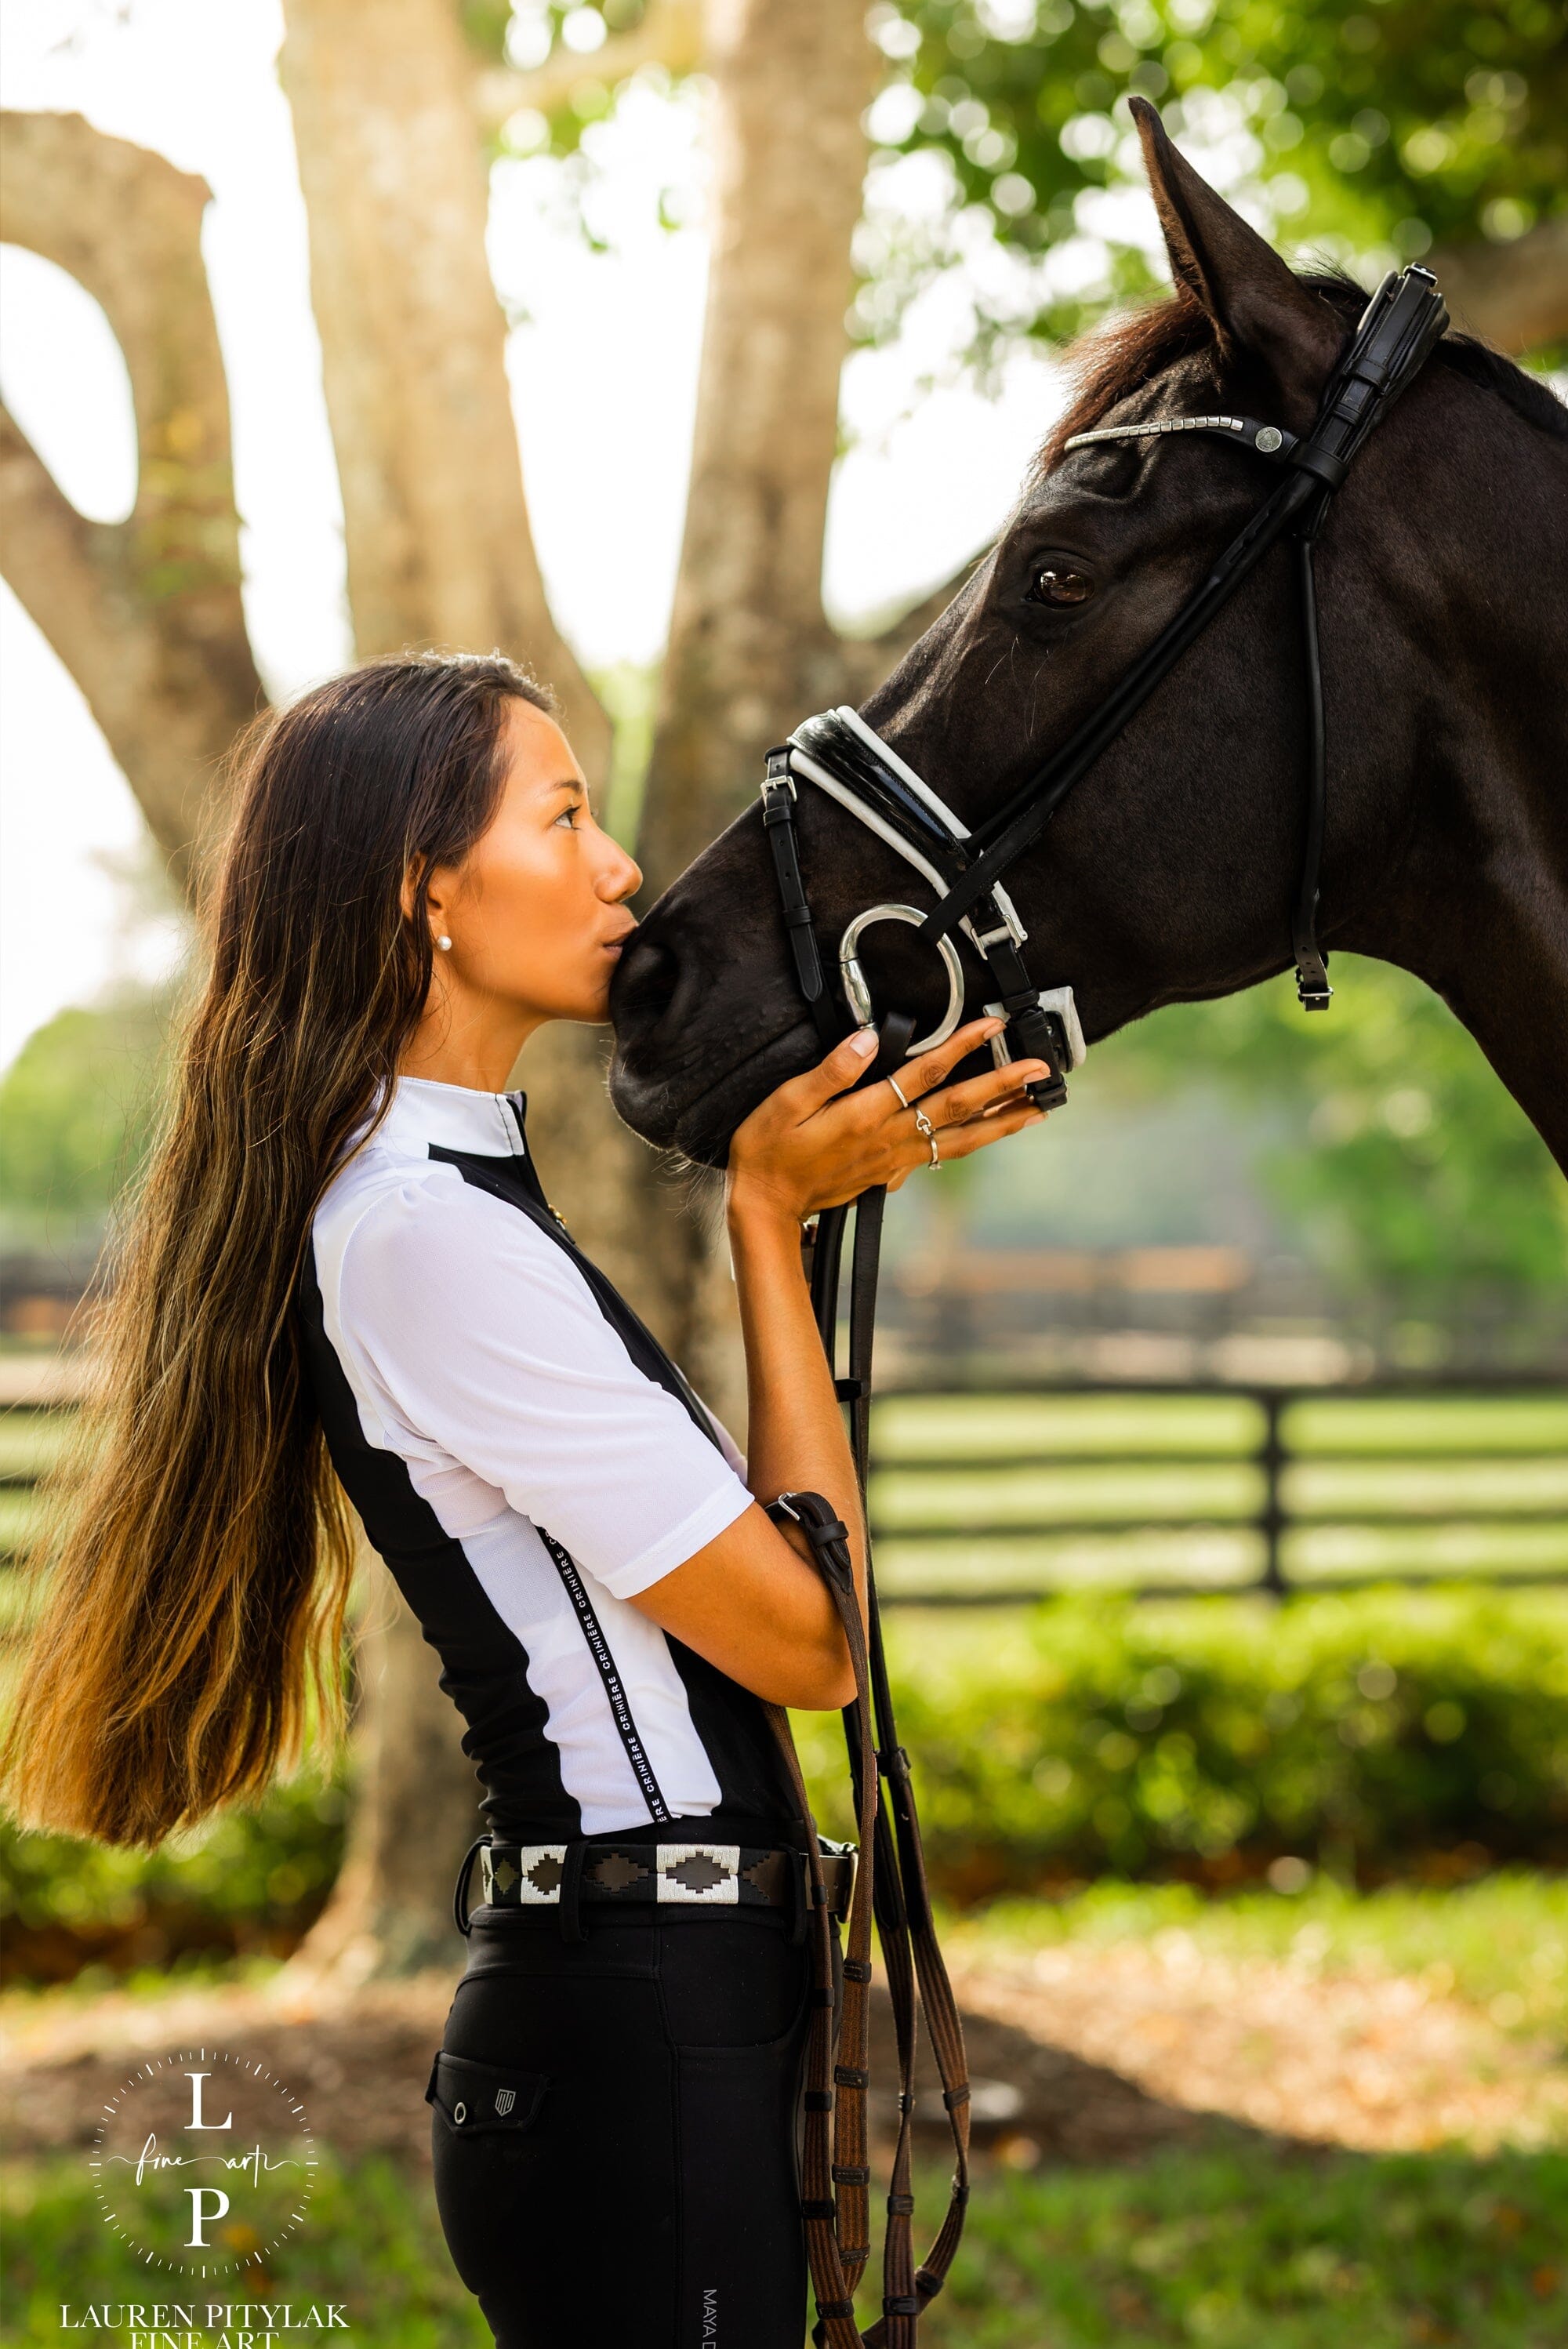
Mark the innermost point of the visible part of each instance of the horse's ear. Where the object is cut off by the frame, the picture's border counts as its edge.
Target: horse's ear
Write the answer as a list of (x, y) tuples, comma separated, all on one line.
[(1260, 308)]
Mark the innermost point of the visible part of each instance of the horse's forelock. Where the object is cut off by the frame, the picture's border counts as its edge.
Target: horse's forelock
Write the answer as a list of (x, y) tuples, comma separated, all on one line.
[(1113, 361)]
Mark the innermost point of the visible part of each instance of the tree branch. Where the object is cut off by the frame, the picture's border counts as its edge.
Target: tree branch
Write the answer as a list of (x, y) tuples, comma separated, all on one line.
[(670, 35), (146, 614), (1514, 296)]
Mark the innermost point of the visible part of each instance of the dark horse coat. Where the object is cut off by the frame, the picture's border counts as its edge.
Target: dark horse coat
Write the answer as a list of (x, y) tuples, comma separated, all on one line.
[(1168, 873)]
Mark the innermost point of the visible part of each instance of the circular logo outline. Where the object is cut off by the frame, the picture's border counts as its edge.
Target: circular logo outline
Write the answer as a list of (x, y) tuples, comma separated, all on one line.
[(165, 2066)]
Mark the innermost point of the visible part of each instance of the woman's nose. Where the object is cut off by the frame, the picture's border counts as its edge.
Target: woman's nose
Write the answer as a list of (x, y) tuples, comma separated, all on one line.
[(620, 875)]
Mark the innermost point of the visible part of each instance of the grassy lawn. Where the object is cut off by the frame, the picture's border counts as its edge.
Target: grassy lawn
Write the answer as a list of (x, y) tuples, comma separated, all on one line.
[(1268, 2246), (372, 2242), (1212, 2249), (1500, 1944), (1297, 2253)]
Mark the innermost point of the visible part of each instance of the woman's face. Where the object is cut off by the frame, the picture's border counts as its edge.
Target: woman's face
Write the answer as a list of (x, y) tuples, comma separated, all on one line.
[(536, 910)]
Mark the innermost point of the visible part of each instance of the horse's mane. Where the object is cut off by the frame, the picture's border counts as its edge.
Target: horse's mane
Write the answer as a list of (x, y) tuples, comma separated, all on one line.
[(1117, 359)]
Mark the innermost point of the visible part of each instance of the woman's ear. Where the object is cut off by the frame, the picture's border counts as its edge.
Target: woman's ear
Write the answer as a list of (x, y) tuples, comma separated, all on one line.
[(1260, 308)]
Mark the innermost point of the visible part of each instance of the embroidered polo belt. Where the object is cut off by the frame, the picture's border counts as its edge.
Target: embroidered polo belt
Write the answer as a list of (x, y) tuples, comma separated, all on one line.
[(700, 1875)]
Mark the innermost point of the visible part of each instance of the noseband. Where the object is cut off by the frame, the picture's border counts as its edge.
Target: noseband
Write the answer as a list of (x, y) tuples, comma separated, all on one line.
[(842, 756)]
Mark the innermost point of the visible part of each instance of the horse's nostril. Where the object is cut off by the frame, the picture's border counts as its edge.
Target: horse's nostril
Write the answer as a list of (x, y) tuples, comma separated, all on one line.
[(646, 983)]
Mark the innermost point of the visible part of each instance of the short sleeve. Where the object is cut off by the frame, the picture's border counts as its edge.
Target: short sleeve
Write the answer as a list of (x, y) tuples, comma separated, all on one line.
[(483, 1343)]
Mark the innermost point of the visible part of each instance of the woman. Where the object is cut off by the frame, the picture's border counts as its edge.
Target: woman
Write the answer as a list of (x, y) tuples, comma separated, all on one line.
[(342, 1261)]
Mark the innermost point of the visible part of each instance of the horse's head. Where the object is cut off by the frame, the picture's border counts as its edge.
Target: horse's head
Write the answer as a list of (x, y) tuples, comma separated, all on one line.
[(1169, 871)]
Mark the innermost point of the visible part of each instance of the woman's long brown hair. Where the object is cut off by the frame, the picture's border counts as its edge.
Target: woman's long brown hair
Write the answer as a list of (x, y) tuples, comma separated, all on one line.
[(198, 1560)]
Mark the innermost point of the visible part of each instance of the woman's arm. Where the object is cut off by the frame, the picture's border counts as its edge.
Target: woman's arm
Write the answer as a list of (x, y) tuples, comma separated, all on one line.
[(751, 1601)]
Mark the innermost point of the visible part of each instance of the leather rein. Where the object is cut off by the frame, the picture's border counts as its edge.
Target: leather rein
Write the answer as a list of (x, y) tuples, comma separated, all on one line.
[(838, 753)]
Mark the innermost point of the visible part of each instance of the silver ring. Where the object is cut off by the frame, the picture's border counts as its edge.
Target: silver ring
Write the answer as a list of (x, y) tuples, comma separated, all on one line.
[(858, 994), (924, 1127), (898, 1096)]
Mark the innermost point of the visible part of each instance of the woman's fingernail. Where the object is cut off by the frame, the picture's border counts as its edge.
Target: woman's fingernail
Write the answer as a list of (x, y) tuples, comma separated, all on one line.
[(994, 1026), (863, 1042)]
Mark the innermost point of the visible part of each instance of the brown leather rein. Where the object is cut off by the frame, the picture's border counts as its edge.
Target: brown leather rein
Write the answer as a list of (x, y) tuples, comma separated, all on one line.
[(889, 1883)]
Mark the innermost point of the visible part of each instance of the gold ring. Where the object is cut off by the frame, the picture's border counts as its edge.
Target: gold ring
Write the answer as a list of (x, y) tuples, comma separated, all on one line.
[(897, 1095), (923, 1126)]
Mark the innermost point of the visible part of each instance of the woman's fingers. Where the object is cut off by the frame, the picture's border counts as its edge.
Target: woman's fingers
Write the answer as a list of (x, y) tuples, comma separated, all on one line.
[(962, 1141), (834, 1074), (929, 1070), (980, 1096)]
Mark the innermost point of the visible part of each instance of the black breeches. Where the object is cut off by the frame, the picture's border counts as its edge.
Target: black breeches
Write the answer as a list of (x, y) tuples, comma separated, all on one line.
[(616, 2146)]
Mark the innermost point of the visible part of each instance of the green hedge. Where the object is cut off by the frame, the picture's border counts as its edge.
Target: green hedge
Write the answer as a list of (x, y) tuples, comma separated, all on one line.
[(249, 1882), (1375, 1735), (1390, 1734)]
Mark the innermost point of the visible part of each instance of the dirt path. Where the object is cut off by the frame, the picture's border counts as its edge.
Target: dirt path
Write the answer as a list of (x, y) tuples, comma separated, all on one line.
[(1078, 2053)]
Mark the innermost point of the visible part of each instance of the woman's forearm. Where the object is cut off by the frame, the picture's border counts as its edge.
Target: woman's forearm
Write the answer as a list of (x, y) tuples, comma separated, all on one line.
[(746, 1600), (795, 1435)]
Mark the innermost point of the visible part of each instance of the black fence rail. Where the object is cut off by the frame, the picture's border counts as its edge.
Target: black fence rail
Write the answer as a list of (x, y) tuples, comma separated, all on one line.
[(1286, 1487), (970, 1489)]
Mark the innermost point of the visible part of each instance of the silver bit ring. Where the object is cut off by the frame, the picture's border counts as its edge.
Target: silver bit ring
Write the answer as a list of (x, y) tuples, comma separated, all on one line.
[(897, 1092)]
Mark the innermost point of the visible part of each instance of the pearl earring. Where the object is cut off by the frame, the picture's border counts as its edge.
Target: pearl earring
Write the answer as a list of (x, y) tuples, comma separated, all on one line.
[(445, 944)]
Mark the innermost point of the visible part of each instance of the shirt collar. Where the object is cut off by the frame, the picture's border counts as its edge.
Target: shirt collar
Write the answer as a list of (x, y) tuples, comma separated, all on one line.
[(453, 1117)]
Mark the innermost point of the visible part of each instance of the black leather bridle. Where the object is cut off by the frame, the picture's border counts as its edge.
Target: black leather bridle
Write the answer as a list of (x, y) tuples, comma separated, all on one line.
[(840, 754)]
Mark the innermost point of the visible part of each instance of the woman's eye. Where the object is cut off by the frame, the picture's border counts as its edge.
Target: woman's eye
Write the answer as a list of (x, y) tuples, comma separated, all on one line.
[(1055, 584), (568, 816)]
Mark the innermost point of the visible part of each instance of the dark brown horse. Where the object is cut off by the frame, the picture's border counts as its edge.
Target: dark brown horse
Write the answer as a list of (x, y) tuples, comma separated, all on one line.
[(1168, 873)]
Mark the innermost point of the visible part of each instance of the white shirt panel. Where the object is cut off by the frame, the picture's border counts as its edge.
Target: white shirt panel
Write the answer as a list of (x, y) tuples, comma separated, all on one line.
[(477, 1353), (488, 1360)]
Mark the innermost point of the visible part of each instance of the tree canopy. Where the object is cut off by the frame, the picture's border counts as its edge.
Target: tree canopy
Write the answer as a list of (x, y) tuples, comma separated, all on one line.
[(1364, 132)]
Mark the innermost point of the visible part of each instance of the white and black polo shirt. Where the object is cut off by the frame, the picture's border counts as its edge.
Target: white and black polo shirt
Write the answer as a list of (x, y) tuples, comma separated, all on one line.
[(526, 1458)]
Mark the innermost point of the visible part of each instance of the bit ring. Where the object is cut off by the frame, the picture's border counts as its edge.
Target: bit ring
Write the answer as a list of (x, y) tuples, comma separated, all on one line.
[(898, 1093), (927, 1132)]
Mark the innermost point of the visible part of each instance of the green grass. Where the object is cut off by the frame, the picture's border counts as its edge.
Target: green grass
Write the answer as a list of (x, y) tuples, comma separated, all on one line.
[(1501, 1943), (1238, 2252), (1225, 2249), (371, 2239), (1228, 2246)]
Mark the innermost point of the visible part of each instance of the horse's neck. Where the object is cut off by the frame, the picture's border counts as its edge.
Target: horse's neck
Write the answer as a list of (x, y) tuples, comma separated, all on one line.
[(1497, 951), (1476, 902), (1477, 905)]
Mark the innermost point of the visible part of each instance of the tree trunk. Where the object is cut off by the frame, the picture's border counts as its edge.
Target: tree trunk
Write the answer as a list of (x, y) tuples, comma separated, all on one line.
[(439, 552), (145, 614), (750, 649), (414, 344), (415, 1811)]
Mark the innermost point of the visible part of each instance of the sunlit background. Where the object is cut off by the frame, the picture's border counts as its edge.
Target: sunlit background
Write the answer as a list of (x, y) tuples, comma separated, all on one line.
[(1184, 1400)]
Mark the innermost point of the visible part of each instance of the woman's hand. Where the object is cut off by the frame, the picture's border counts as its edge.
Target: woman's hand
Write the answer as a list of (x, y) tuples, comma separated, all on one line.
[(814, 1144)]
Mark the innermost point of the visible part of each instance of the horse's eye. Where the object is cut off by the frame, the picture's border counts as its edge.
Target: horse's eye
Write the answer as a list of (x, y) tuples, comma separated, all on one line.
[(1052, 584)]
